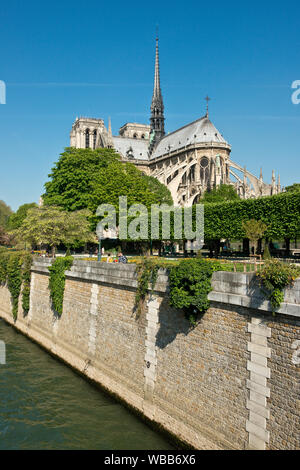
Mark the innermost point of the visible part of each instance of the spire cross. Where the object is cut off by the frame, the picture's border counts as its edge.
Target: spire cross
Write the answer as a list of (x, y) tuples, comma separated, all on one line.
[(207, 99)]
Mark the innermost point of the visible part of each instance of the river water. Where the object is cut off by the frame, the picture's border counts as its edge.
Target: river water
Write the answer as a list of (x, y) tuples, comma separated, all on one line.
[(45, 405)]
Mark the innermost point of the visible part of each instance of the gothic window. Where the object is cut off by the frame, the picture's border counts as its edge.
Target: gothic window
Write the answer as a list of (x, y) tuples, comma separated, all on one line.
[(134, 136), (94, 139), (192, 173), (204, 170), (143, 136), (87, 138)]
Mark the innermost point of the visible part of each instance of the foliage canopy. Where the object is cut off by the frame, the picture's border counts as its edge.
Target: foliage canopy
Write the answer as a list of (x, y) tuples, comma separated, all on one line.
[(15, 220), (281, 214), (5, 213), (225, 192), (50, 225), (86, 178)]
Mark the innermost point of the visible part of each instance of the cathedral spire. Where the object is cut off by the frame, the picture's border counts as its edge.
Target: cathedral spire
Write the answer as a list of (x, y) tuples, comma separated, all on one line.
[(157, 90), (157, 126), (207, 99)]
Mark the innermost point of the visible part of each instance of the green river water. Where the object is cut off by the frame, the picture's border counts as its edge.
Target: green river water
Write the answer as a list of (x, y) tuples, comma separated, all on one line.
[(45, 405)]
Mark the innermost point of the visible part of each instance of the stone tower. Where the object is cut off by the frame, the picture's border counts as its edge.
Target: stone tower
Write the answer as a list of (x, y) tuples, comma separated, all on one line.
[(157, 120)]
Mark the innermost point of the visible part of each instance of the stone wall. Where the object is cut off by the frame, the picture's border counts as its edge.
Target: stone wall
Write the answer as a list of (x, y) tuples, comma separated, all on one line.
[(232, 382)]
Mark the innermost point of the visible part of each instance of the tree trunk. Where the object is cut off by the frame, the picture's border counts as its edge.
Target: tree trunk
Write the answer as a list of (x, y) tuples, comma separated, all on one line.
[(185, 253), (217, 245), (53, 250), (287, 247), (259, 246), (246, 246)]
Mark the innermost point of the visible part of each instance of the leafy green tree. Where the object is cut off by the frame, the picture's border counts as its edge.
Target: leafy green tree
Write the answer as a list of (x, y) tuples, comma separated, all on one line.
[(5, 238), (293, 187), (254, 230), (50, 225), (281, 214), (86, 178), (5, 212), (225, 192), (15, 220)]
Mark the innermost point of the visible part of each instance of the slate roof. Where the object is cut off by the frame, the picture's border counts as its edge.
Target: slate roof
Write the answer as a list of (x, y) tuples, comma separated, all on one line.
[(200, 131), (139, 147)]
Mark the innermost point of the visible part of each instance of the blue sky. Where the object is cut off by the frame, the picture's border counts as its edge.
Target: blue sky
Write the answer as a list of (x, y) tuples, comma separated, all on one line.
[(69, 58)]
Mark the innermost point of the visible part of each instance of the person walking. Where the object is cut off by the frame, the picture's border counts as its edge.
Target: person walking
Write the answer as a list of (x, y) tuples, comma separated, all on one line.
[(122, 258)]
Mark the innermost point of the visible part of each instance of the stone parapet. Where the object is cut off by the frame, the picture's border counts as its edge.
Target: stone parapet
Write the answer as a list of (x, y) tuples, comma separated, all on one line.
[(243, 289), (229, 382)]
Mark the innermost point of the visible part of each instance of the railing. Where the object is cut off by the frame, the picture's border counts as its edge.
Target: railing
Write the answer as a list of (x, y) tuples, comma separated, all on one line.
[(255, 261)]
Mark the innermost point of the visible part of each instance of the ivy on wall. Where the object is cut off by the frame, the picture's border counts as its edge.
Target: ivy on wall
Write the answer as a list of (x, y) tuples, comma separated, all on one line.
[(15, 270), (274, 278), (190, 283), (26, 277), (147, 274), (57, 280), (14, 280)]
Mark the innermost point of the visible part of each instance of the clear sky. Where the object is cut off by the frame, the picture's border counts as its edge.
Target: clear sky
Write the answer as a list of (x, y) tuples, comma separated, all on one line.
[(63, 59)]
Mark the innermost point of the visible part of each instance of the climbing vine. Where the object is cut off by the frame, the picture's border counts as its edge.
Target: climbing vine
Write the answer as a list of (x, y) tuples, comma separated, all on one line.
[(15, 271), (26, 277), (190, 283), (274, 278), (57, 280), (147, 274), (3, 266)]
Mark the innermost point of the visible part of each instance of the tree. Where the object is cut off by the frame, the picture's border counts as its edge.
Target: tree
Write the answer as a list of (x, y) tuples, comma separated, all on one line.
[(225, 192), (5, 212), (254, 230), (15, 220), (52, 226), (86, 178), (281, 214), (5, 238), (293, 187)]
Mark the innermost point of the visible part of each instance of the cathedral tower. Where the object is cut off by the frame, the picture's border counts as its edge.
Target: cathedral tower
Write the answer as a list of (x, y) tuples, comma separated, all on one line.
[(157, 120)]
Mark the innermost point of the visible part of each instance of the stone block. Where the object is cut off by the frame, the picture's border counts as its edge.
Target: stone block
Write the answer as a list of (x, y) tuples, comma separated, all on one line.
[(258, 369), (261, 389), (261, 330), (257, 431), (258, 379), (259, 350), (258, 409), (258, 339), (256, 443), (257, 359), (258, 398), (258, 420)]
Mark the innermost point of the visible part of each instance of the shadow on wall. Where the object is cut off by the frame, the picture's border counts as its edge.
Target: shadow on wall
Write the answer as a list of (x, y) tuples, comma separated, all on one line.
[(256, 292), (172, 322)]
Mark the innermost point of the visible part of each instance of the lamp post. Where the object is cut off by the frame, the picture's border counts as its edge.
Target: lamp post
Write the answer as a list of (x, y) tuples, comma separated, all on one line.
[(99, 232), (99, 249)]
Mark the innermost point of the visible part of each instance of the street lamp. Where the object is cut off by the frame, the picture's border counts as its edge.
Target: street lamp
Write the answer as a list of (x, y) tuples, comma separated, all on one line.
[(99, 232)]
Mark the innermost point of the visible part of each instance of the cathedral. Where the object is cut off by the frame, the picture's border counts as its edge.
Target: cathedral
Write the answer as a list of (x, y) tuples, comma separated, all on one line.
[(189, 160)]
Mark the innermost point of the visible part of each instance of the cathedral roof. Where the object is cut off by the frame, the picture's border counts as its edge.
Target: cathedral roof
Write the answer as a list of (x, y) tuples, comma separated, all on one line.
[(131, 148), (200, 131)]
